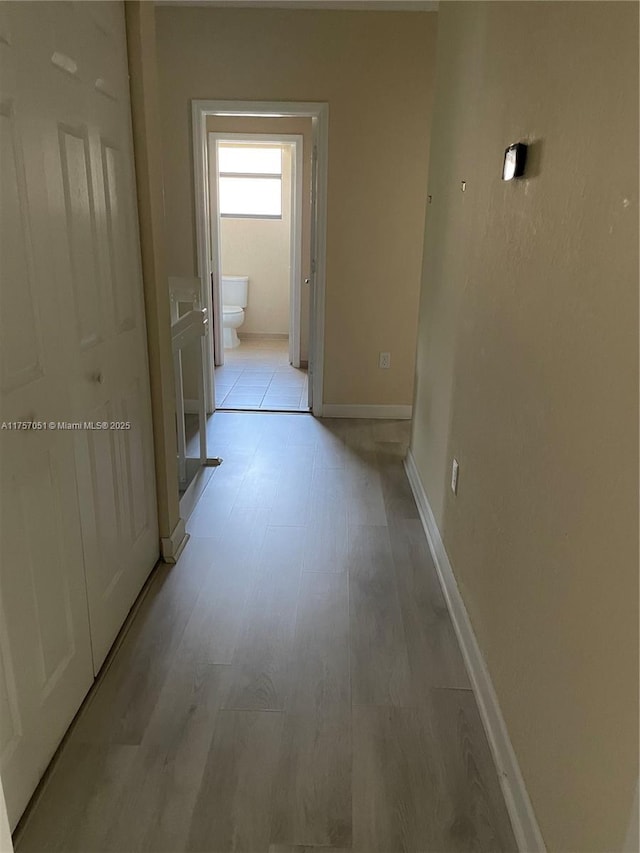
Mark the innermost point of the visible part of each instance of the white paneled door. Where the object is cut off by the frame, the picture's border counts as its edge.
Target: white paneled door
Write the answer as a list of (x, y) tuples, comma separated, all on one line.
[(78, 523)]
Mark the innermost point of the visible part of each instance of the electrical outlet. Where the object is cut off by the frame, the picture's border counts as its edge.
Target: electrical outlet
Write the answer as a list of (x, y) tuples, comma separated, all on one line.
[(384, 360), (454, 476)]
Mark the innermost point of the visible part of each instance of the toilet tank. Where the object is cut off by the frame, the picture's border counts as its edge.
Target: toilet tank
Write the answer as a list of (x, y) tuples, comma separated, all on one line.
[(235, 290)]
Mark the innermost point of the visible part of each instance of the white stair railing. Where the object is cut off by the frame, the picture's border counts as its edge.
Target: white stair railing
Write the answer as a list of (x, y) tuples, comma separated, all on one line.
[(186, 329)]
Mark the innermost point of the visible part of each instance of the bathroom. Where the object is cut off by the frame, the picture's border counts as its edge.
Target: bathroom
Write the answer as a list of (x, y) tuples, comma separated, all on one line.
[(259, 234)]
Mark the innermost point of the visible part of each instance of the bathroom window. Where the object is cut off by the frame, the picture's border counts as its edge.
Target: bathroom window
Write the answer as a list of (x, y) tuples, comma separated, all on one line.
[(250, 181)]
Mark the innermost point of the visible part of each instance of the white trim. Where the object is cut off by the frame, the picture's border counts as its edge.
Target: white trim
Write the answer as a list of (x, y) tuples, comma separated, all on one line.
[(194, 490), (319, 114), (212, 228), (263, 336), (295, 307), (338, 410), (523, 819), (172, 546)]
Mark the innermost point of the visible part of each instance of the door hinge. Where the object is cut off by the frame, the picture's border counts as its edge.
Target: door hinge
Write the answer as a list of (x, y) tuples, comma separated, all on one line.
[(313, 265)]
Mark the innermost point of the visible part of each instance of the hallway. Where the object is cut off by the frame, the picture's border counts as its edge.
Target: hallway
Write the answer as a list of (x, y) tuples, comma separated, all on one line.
[(294, 682)]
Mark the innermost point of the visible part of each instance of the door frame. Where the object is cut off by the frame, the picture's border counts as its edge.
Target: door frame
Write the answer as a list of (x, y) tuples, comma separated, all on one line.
[(295, 140), (319, 114)]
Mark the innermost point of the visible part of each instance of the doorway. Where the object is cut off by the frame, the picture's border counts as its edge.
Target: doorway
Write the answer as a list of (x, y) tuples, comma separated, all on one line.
[(284, 353), (259, 203)]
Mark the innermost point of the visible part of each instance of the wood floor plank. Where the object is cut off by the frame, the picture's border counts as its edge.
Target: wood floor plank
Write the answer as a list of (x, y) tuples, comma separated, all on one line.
[(395, 783), (120, 707), (327, 541), (398, 498), (473, 815), (82, 798), (320, 680), (262, 662), (312, 802), (165, 778), (434, 654), (365, 499), (259, 487), (215, 504), (397, 431), (217, 618), (233, 810), (326, 546), (380, 673), (331, 451), (292, 502), (424, 780)]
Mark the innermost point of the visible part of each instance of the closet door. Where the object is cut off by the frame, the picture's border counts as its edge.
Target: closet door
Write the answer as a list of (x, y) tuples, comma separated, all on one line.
[(45, 649), (77, 507), (96, 263)]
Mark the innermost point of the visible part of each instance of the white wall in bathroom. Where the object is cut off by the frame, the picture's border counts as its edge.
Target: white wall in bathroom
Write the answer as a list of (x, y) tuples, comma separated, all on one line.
[(260, 248)]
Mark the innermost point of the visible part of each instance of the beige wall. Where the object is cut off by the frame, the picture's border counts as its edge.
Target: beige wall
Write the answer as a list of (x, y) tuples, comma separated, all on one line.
[(141, 51), (376, 71), (527, 373), (261, 249)]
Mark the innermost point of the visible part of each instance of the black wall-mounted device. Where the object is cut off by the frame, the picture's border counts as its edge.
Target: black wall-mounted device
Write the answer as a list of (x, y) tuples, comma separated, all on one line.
[(515, 159)]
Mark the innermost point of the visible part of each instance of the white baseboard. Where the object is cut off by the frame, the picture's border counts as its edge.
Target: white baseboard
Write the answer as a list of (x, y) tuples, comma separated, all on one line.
[(263, 336), (337, 410), (171, 546), (191, 407), (523, 819)]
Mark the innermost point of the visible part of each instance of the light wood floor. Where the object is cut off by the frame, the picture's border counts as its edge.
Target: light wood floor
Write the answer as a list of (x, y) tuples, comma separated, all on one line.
[(294, 683)]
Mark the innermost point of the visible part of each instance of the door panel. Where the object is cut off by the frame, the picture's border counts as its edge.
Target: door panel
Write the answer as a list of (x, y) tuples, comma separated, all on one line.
[(20, 347), (46, 647), (121, 259), (81, 232)]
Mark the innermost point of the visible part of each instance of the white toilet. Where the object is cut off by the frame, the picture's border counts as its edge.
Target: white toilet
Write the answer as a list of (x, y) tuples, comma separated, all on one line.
[(235, 290)]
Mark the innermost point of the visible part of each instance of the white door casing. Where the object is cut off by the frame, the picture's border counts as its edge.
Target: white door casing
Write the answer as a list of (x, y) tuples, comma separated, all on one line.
[(77, 508), (319, 114), (212, 216)]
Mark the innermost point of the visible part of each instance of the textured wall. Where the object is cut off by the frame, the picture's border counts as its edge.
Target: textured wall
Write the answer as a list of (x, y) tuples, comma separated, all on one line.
[(527, 372)]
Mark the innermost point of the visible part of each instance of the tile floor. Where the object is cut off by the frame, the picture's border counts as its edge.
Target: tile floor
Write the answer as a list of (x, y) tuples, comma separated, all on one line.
[(257, 375)]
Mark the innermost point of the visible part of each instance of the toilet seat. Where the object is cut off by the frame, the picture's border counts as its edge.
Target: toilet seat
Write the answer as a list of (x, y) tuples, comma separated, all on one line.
[(232, 309)]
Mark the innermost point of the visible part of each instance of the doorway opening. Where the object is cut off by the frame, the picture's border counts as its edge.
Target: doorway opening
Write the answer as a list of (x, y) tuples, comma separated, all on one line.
[(260, 206), (223, 133)]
